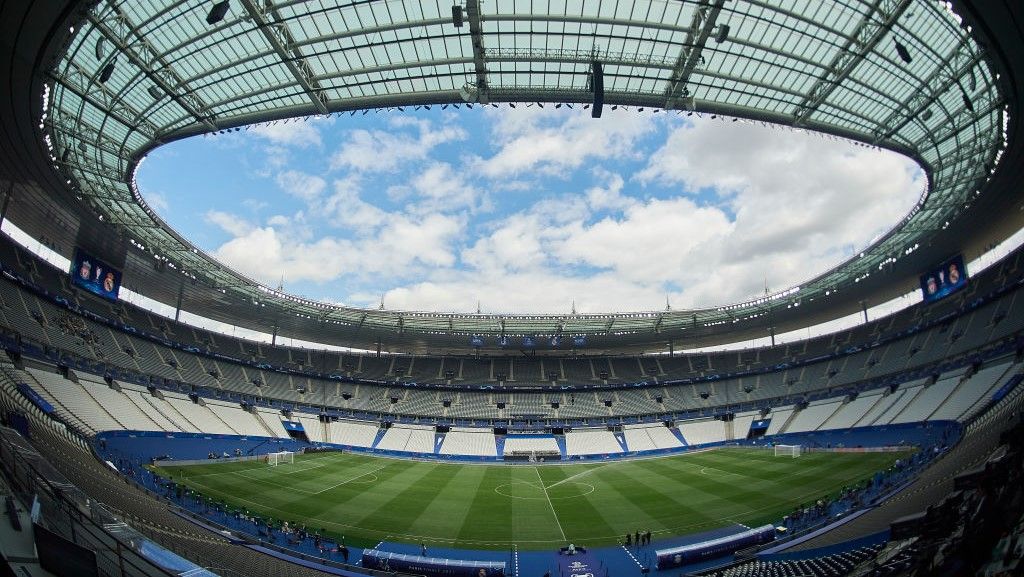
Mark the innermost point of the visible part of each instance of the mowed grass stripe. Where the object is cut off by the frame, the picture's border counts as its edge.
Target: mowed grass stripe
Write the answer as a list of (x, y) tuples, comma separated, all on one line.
[(447, 512), (398, 513), (369, 498)]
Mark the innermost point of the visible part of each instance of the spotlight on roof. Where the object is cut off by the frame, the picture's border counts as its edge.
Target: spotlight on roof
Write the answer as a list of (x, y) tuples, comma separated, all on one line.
[(107, 71), (902, 51), (722, 34), (457, 16), (99, 48), (155, 92), (926, 115), (217, 12)]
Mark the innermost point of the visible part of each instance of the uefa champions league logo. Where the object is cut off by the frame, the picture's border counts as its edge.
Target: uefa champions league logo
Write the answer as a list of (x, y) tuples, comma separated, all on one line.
[(578, 569)]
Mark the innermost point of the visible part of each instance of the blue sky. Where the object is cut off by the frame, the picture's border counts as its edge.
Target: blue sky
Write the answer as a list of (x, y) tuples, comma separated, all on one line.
[(528, 209)]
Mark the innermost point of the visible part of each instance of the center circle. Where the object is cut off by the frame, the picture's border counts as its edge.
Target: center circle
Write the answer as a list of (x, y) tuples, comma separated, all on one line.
[(531, 491)]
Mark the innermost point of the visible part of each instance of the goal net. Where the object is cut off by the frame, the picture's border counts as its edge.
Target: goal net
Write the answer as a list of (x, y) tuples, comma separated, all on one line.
[(787, 450), (275, 459)]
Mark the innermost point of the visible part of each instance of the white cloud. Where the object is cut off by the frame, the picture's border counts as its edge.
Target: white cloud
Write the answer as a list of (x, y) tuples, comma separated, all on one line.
[(292, 133), (441, 188), (382, 151), (345, 207), (306, 187), (615, 214), (230, 223), (552, 142)]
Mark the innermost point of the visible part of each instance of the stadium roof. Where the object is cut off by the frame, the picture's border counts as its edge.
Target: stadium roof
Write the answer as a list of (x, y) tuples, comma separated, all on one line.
[(899, 74)]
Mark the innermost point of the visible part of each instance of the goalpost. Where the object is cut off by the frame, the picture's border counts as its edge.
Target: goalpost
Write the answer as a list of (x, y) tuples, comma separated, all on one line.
[(787, 450), (275, 459)]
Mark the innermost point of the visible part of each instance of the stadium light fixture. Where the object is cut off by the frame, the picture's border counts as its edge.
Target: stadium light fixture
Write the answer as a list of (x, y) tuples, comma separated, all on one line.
[(722, 34), (902, 51), (107, 72), (217, 12), (155, 92), (457, 16)]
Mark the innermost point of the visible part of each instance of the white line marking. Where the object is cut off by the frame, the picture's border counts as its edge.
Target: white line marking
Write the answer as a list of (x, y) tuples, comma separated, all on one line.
[(630, 553), (270, 482), (350, 480), (580, 474), (548, 497)]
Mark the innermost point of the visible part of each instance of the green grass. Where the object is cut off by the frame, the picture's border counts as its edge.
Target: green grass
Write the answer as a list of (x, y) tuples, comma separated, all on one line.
[(369, 499)]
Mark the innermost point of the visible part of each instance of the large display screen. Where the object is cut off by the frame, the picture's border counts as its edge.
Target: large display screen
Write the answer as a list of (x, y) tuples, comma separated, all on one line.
[(94, 275), (944, 279)]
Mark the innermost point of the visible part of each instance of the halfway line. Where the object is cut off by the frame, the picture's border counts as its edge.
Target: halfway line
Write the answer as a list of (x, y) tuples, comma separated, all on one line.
[(548, 497)]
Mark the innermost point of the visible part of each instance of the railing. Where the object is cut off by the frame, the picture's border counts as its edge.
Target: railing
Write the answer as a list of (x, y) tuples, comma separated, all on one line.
[(67, 511)]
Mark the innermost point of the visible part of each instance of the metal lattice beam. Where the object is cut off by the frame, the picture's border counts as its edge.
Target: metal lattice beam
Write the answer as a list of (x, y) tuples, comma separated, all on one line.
[(280, 38), (701, 26), (127, 40), (867, 34)]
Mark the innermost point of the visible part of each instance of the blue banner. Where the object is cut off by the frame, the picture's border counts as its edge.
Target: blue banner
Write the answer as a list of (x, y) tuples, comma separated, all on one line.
[(293, 426), (579, 341), (432, 566), (476, 341)]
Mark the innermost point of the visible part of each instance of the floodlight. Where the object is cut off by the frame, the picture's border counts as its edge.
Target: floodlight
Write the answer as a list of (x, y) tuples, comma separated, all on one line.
[(902, 51), (217, 12), (155, 92), (722, 34), (107, 72)]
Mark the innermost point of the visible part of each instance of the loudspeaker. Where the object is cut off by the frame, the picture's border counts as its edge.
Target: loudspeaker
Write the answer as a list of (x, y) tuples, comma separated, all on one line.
[(217, 12), (597, 87)]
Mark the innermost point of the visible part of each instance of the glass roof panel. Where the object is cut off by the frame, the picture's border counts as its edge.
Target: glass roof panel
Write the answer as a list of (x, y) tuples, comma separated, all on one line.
[(836, 60)]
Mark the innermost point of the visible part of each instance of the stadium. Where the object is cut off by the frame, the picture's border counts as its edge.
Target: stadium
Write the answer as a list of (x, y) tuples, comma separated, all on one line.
[(683, 441)]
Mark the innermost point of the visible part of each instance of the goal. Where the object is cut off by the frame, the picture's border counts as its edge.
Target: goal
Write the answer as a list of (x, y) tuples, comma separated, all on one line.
[(787, 450), (275, 459)]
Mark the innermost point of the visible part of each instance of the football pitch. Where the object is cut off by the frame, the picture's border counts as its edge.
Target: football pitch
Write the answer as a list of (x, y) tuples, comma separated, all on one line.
[(368, 499)]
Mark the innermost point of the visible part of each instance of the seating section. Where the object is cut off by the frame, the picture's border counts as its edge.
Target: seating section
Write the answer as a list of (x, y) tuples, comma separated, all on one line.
[(978, 388), (591, 442), (741, 423), (408, 439), (836, 565), (312, 425), (354, 433), (702, 432), (927, 400), (72, 397), (117, 405), (850, 413), (650, 437), (813, 416), (780, 417), (468, 441), (201, 417)]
